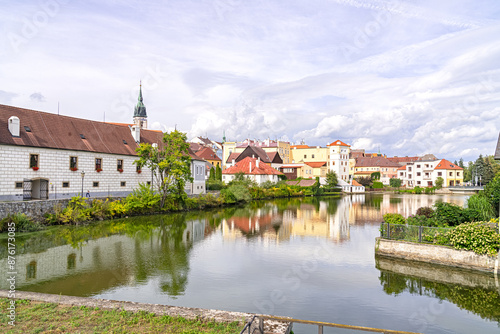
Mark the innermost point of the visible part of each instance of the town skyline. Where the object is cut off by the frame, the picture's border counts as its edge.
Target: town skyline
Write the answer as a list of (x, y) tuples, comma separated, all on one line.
[(407, 78)]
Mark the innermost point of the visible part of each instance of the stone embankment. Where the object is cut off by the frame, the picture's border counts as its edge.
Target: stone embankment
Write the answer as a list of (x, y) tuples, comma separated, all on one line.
[(436, 254), (270, 326)]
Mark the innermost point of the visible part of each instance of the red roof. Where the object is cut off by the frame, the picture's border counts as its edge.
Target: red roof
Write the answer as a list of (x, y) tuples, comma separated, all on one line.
[(375, 162), (316, 164), (338, 143), (356, 183), (208, 154), (302, 183), (232, 156), (402, 167), (445, 164), (299, 146), (248, 166), (47, 130), (400, 160)]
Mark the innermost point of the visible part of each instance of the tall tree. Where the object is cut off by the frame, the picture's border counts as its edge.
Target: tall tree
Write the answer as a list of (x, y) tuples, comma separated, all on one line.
[(211, 177), (218, 173), (170, 163), (331, 179)]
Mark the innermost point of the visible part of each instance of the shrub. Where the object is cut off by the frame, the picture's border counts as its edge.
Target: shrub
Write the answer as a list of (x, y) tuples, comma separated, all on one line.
[(236, 193), (422, 220), (394, 218), (215, 185), (479, 237), (142, 200), (21, 223), (482, 204), (377, 185), (425, 211), (452, 215)]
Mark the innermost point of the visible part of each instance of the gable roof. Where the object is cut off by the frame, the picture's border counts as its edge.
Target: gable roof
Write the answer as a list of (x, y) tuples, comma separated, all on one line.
[(316, 164), (403, 160), (302, 183), (254, 151), (338, 143), (356, 183), (232, 156), (275, 157), (48, 130), (208, 154), (248, 166), (445, 164), (378, 161)]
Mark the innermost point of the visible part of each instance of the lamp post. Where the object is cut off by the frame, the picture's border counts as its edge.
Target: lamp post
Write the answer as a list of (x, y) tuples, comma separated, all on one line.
[(83, 175)]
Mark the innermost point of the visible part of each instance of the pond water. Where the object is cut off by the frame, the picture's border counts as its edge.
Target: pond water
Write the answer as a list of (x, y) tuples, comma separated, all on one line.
[(307, 258)]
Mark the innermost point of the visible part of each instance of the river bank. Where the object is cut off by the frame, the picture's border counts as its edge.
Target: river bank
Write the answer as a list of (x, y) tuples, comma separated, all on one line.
[(140, 317)]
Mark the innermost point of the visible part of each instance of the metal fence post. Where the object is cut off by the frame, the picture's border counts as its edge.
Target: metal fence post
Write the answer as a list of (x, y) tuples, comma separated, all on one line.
[(388, 231), (420, 234), (320, 329)]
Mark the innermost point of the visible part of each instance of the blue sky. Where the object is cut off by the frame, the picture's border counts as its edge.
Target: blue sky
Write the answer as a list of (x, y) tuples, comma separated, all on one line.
[(405, 77)]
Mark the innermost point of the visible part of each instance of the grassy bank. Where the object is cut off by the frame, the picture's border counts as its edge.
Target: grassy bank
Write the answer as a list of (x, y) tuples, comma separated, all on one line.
[(39, 317)]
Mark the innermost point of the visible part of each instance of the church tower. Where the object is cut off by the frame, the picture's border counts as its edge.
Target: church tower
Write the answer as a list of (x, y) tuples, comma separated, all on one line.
[(140, 116)]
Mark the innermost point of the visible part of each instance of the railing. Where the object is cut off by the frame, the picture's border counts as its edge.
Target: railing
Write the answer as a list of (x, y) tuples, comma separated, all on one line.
[(260, 327), (412, 233)]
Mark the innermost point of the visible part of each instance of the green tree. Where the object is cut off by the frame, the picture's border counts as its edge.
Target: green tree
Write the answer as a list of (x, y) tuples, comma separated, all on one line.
[(170, 163), (439, 182), (395, 183), (364, 181), (331, 180), (492, 192), (211, 177), (218, 173), (375, 176)]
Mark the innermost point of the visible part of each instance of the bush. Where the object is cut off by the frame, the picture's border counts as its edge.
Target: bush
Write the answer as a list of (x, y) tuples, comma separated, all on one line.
[(452, 215), (21, 223), (394, 218), (377, 185), (215, 185), (425, 211), (236, 193), (479, 237), (422, 220), (481, 204)]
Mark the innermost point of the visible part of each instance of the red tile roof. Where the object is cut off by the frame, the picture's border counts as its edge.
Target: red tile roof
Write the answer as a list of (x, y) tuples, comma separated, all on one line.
[(208, 154), (375, 162), (249, 166), (356, 183), (338, 143), (302, 183), (69, 133), (315, 164), (401, 160), (445, 164), (402, 167), (232, 156)]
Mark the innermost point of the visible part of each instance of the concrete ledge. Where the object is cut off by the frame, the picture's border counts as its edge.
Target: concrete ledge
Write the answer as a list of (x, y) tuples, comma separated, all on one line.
[(436, 254), (271, 326)]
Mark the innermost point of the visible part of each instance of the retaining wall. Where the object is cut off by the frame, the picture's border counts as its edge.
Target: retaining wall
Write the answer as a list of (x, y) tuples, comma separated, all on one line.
[(270, 326), (436, 254)]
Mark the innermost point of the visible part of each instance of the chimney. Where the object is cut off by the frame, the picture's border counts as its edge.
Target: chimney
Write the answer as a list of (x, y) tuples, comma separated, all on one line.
[(14, 125), (233, 162), (250, 167), (258, 160), (136, 132)]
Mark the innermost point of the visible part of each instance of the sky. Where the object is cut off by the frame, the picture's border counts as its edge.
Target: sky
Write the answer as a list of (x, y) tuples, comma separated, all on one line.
[(401, 77)]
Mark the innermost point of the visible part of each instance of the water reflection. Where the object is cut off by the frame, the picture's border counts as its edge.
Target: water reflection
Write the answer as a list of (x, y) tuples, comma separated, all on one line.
[(470, 290)]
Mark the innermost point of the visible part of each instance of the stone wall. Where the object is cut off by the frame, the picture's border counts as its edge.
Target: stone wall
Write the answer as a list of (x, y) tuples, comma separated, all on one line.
[(436, 254)]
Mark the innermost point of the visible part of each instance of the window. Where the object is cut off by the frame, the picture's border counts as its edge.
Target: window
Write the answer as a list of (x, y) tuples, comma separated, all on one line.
[(73, 163), (440, 174), (305, 156), (409, 169), (138, 168), (65, 184), (458, 173), (119, 165), (451, 173), (34, 161), (313, 156), (418, 166), (19, 185), (418, 173), (418, 182), (95, 184), (123, 184), (98, 164)]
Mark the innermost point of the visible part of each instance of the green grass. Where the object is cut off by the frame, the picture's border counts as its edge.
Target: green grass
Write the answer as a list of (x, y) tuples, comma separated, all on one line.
[(38, 317)]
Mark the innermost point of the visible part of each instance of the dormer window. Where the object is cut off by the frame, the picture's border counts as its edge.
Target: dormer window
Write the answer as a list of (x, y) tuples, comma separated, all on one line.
[(82, 136), (27, 129)]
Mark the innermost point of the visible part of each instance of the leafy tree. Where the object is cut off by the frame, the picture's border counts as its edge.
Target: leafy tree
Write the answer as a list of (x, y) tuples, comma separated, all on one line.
[(211, 177), (170, 164), (364, 181), (375, 176), (218, 173), (331, 179), (492, 192), (395, 183), (439, 182)]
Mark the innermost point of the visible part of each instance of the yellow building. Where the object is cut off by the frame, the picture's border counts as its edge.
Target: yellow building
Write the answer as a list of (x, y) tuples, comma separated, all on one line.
[(304, 153)]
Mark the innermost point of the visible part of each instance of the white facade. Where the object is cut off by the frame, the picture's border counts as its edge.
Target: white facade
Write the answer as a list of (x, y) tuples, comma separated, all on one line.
[(424, 173), (259, 178), (339, 159)]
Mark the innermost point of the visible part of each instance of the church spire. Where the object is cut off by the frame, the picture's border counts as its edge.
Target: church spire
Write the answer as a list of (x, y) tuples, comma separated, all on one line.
[(140, 115)]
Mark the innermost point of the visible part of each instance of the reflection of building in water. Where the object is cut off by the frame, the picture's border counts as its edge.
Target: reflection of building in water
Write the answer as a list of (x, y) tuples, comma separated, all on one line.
[(375, 206), (100, 264)]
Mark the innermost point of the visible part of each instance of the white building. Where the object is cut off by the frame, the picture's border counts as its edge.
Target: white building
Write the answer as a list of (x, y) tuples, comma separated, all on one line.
[(339, 159), (44, 155), (424, 173)]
